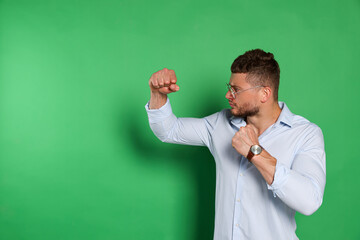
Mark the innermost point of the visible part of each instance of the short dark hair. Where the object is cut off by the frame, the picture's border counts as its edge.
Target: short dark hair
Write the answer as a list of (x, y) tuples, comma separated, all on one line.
[(261, 67)]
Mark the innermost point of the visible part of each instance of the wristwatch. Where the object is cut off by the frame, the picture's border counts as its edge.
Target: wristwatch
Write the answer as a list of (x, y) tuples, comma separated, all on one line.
[(254, 150)]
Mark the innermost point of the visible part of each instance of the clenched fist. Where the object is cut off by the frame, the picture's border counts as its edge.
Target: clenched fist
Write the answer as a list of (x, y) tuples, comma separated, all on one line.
[(164, 82), (244, 139)]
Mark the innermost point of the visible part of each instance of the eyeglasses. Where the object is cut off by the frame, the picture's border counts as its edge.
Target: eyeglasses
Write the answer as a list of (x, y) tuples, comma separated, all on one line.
[(233, 92)]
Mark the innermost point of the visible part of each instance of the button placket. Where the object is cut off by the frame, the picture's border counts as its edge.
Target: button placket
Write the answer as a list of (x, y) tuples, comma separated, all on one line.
[(238, 194)]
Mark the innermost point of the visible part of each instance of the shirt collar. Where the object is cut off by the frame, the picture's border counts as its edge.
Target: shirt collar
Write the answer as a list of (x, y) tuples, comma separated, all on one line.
[(237, 121), (285, 118)]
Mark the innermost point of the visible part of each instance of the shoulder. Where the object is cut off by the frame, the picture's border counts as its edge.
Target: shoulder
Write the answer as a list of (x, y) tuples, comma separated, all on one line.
[(215, 118), (296, 121), (302, 122), (225, 113), (308, 132), (300, 126)]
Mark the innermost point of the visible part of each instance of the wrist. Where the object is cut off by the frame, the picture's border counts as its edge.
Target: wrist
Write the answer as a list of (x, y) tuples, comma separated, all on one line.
[(157, 93), (257, 158), (254, 150), (157, 100)]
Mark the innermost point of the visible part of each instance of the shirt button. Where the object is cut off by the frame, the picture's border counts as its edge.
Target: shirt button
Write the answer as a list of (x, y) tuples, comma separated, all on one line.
[(237, 225), (241, 174), (238, 200)]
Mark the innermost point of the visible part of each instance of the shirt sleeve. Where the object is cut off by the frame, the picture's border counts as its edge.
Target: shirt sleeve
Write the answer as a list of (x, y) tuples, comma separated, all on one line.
[(301, 186), (189, 131)]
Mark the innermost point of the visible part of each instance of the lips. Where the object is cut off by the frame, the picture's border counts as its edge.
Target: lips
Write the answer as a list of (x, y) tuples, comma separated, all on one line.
[(231, 104)]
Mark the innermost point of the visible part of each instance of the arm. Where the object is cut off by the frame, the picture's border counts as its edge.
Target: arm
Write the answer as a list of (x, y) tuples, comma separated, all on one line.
[(301, 187), (189, 131), (165, 125)]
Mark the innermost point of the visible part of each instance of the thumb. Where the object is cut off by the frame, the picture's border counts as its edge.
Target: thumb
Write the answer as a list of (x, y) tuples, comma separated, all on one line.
[(174, 87), (169, 89)]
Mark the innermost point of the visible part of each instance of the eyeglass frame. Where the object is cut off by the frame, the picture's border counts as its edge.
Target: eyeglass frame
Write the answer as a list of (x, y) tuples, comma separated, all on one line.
[(233, 92)]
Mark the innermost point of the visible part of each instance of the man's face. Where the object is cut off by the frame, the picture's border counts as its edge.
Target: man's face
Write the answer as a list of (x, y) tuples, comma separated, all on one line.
[(245, 103)]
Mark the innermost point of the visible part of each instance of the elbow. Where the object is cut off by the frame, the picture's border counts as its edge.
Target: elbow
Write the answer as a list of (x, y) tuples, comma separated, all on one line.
[(159, 132), (161, 137), (310, 207), (312, 201)]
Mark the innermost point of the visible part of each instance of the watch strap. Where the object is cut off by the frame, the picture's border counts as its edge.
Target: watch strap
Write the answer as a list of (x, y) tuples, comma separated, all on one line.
[(250, 155)]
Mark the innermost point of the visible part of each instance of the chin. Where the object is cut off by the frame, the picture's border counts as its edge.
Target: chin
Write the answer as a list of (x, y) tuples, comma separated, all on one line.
[(234, 112), (244, 113)]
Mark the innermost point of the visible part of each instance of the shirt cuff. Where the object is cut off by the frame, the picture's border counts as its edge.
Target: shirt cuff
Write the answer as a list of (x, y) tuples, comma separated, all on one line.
[(280, 177), (158, 115)]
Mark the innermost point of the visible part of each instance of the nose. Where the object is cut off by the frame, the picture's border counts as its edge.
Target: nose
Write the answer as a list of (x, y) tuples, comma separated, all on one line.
[(228, 95)]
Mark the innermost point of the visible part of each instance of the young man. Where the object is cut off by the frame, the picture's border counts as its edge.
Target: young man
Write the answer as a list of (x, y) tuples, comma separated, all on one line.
[(270, 162)]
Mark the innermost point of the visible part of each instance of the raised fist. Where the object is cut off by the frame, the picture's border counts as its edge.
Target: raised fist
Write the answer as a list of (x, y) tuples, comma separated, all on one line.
[(163, 81)]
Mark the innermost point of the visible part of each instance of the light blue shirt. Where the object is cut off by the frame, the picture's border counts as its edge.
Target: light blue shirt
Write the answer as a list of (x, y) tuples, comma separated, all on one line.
[(246, 207)]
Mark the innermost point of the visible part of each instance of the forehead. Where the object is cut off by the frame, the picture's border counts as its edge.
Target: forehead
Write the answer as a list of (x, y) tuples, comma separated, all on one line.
[(239, 80)]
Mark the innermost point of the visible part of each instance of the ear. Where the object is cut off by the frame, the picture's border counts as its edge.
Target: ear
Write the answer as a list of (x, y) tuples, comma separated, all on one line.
[(266, 93)]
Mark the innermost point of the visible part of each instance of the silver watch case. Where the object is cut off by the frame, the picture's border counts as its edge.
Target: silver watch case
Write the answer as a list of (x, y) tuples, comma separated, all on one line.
[(256, 149)]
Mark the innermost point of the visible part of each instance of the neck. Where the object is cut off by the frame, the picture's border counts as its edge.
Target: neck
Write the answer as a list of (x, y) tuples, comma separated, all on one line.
[(267, 116)]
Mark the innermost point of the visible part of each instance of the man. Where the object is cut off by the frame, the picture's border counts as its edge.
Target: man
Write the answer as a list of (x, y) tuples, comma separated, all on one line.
[(270, 162)]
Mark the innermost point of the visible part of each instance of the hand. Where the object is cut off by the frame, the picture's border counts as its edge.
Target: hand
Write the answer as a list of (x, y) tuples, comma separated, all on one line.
[(245, 138), (164, 82)]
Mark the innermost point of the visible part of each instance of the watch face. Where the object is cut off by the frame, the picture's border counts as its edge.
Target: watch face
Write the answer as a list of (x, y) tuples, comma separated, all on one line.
[(256, 149)]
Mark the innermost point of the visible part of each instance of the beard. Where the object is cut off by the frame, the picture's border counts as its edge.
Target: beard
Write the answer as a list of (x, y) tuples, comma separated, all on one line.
[(244, 111)]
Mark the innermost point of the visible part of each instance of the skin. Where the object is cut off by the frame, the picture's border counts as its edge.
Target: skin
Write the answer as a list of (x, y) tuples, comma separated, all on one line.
[(268, 112), (161, 84), (257, 105)]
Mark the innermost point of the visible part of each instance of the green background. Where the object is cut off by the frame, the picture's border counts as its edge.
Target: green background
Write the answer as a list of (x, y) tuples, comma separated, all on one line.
[(77, 157)]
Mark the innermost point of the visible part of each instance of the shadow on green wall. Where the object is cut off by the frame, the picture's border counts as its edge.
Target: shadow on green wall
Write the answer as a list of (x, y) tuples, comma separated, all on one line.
[(196, 160)]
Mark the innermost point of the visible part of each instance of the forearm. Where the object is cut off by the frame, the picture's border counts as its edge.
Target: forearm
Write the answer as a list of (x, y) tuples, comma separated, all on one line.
[(265, 163), (301, 192), (157, 100)]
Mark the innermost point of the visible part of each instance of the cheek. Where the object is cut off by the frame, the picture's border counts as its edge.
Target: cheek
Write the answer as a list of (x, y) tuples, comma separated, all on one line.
[(244, 103), (241, 100), (247, 99)]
